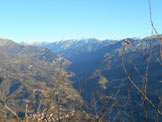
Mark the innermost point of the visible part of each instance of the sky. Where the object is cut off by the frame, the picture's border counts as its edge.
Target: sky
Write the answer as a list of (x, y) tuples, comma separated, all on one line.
[(54, 20)]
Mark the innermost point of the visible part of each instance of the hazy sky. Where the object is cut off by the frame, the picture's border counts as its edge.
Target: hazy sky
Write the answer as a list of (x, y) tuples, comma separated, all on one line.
[(54, 20)]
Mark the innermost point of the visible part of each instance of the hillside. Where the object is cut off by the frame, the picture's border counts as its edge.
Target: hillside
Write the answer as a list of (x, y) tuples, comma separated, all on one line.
[(29, 75)]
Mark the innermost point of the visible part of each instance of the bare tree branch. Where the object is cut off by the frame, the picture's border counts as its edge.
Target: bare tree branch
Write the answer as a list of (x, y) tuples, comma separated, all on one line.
[(135, 86)]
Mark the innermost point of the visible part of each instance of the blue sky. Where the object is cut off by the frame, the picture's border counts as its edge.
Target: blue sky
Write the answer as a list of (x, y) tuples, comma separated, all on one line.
[(54, 20)]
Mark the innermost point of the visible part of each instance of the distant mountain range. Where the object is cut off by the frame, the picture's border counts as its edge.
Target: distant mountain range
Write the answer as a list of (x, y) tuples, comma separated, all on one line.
[(88, 44), (87, 55), (76, 51)]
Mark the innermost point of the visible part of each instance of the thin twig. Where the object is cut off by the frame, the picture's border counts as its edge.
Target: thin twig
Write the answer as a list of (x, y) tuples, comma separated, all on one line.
[(152, 24)]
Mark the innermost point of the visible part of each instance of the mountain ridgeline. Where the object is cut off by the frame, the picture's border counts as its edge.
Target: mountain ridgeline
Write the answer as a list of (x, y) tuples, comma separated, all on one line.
[(90, 55), (79, 52)]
